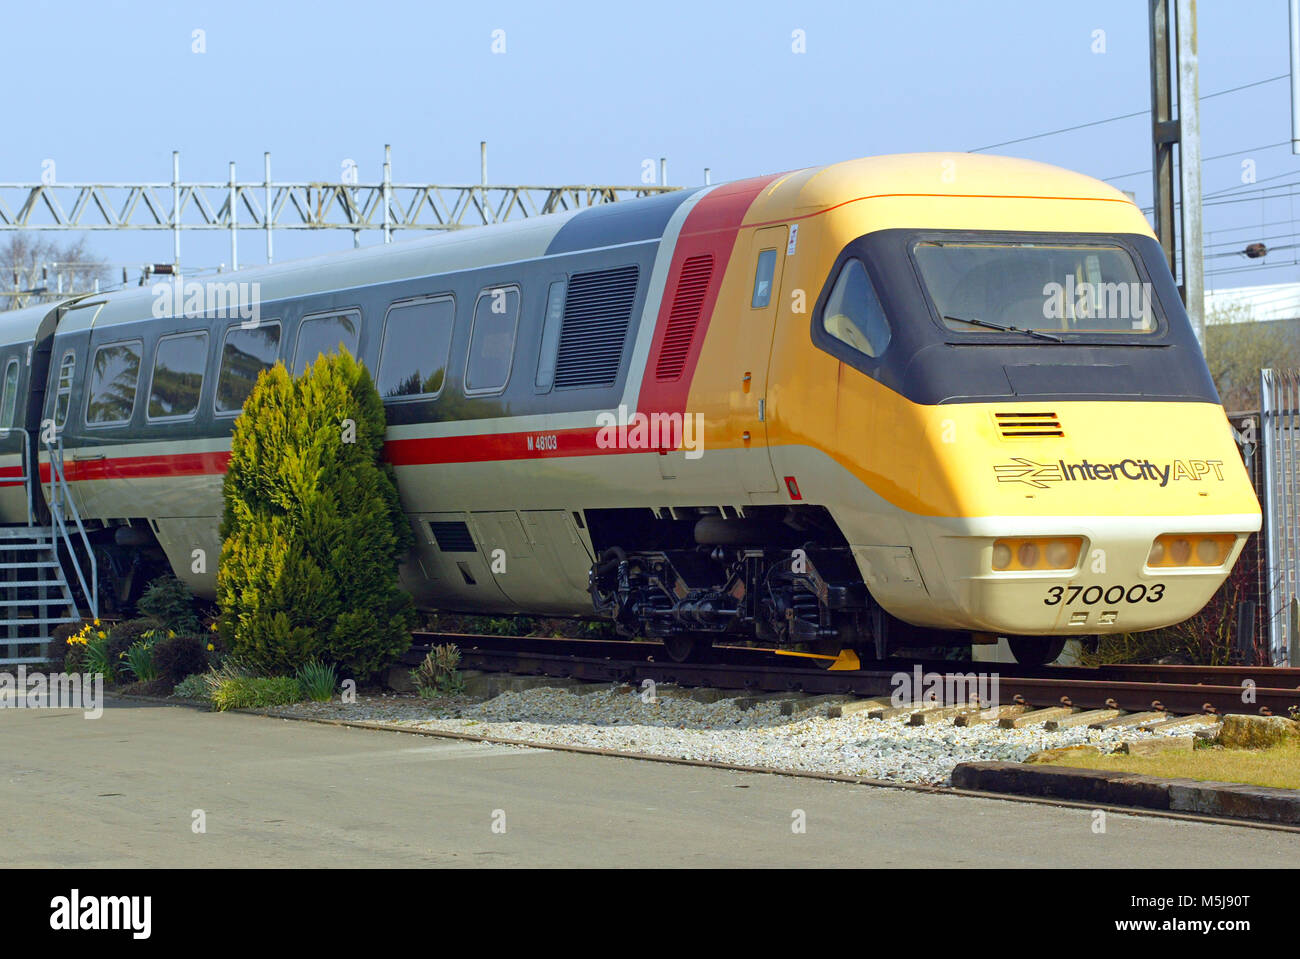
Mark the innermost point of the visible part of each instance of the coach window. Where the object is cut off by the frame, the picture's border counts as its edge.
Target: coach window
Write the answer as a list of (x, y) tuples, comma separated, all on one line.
[(177, 379), (546, 359), (114, 376), (853, 313), (417, 345), (492, 340), (63, 396), (321, 335), (763, 275), (246, 352), (9, 399)]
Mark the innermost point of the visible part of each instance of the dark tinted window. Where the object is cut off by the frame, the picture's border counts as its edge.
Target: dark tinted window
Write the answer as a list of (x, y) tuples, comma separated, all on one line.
[(492, 340), (9, 400), (114, 376), (417, 343), (1054, 287), (63, 397), (178, 375), (551, 335), (319, 335), (853, 313), (246, 353)]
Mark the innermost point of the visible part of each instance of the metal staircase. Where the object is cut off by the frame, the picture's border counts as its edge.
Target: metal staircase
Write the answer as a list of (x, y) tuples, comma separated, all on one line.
[(36, 593)]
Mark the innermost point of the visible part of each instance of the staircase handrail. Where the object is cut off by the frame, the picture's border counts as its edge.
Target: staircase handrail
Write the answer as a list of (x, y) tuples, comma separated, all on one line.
[(60, 498)]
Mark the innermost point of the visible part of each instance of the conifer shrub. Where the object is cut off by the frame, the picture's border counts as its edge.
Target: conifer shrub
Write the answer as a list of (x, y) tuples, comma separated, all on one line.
[(170, 603), (312, 528)]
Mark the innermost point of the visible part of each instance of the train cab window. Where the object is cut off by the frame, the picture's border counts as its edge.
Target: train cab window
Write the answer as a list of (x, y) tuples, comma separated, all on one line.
[(1049, 287), (63, 393), (177, 379), (551, 327), (763, 275), (9, 397), (853, 313), (246, 352), (416, 349), (320, 335), (492, 340), (114, 377)]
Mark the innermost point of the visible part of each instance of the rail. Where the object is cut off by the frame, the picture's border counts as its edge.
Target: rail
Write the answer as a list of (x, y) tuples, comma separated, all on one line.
[(59, 499)]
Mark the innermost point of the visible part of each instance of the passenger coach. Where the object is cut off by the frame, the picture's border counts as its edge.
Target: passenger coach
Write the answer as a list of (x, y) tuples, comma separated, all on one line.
[(928, 396)]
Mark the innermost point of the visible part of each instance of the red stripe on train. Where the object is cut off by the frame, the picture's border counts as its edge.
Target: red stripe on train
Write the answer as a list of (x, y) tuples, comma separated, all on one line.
[(712, 227), (490, 447)]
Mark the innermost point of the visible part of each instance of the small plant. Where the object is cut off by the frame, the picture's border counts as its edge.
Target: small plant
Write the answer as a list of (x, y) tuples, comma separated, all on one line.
[(438, 674), (139, 660), (253, 692), (318, 680), (194, 686), (170, 603), (95, 658)]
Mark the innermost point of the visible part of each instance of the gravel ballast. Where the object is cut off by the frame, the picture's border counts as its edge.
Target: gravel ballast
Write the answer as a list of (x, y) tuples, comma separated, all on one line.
[(680, 727)]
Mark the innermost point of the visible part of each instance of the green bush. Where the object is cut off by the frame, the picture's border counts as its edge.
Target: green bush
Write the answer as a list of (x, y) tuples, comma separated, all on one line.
[(194, 686), (438, 673), (318, 681), (179, 656), (96, 657), (170, 604), (139, 663), (121, 637), (252, 692), (312, 528)]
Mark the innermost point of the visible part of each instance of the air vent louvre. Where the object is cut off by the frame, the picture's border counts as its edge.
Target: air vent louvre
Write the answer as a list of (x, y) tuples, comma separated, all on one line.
[(453, 537), (688, 302), (1017, 425), (597, 310)]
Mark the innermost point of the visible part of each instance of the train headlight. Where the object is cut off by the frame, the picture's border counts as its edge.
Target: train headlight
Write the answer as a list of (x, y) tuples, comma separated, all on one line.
[(1039, 552), (1190, 549)]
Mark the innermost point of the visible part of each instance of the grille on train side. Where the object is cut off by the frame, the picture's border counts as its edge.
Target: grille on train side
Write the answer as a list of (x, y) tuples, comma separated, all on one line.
[(1016, 425), (597, 310), (688, 303)]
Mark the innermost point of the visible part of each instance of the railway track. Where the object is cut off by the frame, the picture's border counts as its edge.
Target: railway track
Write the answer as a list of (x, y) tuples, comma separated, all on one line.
[(1178, 690)]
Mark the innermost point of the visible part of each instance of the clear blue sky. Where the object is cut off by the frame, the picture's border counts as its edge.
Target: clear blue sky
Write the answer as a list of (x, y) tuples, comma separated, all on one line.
[(586, 91)]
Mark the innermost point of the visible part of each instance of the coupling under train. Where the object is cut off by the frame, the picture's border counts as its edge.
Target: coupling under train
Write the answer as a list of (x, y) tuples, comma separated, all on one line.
[(901, 401)]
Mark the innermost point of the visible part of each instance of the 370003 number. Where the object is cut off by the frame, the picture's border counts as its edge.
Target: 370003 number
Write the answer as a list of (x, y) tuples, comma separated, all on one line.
[(1092, 595)]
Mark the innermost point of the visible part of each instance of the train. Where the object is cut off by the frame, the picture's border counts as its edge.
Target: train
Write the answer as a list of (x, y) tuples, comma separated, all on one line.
[(905, 401)]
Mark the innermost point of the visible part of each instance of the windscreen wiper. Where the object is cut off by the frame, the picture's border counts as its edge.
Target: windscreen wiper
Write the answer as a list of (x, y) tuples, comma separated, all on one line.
[(975, 321)]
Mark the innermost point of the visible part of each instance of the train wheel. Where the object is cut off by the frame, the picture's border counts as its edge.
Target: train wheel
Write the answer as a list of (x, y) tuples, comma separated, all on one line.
[(687, 647), (1036, 650)]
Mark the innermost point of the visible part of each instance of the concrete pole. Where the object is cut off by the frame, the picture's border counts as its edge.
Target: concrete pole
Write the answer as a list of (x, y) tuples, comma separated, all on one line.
[(1295, 76), (1189, 167)]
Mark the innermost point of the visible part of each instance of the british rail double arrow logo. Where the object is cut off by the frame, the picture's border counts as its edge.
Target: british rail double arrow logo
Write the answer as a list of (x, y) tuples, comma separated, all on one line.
[(1025, 471)]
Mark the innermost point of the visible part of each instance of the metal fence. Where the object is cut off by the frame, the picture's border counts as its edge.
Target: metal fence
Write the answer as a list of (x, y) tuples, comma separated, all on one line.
[(1279, 435)]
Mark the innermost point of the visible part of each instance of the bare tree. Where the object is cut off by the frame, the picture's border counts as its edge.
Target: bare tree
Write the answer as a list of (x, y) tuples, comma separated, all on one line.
[(1238, 348), (28, 262)]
